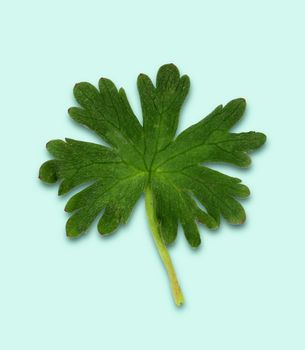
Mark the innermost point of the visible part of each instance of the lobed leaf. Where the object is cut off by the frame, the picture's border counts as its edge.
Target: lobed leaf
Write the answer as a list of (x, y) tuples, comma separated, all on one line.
[(161, 105), (185, 191)]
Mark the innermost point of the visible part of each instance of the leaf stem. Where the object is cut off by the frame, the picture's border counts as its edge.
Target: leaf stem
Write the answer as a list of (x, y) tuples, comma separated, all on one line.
[(154, 226)]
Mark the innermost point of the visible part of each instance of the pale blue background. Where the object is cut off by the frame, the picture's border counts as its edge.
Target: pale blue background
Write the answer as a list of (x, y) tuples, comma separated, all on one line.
[(244, 287)]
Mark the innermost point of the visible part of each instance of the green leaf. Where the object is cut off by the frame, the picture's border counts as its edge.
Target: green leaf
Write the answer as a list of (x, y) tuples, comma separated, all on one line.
[(171, 170)]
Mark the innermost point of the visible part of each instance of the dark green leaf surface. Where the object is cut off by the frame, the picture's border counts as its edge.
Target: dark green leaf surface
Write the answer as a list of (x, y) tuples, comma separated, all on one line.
[(185, 191)]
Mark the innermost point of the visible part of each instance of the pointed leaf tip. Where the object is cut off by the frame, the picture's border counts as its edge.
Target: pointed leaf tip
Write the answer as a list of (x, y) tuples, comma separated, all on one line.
[(170, 66), (72, 230), (195, 243), (47, 172), (263, 138)]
